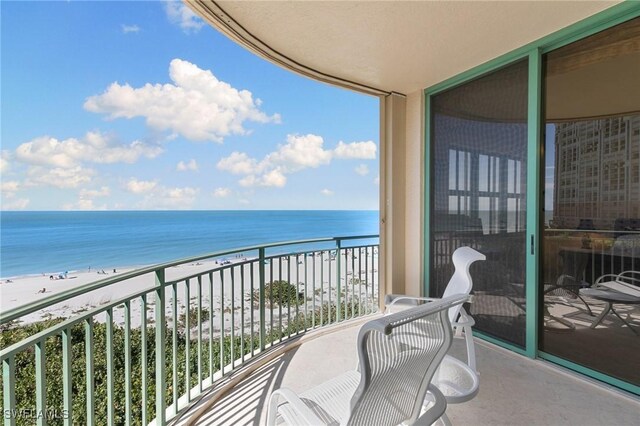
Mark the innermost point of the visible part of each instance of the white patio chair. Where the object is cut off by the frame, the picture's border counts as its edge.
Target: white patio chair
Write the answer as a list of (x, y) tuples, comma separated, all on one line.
[(456, 380), (396, 367)]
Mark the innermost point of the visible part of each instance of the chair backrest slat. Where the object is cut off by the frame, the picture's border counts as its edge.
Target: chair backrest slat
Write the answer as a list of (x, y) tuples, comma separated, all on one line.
[(399, 355)]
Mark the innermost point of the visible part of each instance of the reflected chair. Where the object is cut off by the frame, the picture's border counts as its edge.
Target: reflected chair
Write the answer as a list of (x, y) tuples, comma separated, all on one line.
[(612, 289), (396, 367), (574, 264)]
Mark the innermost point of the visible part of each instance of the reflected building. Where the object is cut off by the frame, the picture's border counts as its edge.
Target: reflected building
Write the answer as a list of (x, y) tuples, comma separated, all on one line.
[(597, 174)]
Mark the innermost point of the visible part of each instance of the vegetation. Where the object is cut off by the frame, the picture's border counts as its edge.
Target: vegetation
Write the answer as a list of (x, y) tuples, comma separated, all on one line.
[(279, 293), (25, 360), (193, 317)]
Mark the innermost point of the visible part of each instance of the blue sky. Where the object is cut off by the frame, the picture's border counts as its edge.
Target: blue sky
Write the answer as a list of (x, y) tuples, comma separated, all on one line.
[(140, 105)]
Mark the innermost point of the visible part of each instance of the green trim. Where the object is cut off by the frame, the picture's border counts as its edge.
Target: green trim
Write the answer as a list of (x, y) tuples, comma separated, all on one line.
[(500, 342), (9, 389), (629, 387), (532, 244), (607, 18), (161, 339), (427, 197)]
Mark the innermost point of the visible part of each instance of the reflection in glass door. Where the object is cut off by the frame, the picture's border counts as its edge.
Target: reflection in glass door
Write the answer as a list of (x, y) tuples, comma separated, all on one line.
[(590, 289)]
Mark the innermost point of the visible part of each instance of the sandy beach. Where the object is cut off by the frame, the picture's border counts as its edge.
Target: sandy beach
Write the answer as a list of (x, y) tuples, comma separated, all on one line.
[(314, 277)]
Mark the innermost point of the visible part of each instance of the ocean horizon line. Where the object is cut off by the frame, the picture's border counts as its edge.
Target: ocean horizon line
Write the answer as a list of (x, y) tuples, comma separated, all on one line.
[(37, 241), (188, 210)]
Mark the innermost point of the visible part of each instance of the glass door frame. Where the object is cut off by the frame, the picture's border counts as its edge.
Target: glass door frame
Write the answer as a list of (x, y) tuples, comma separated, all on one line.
[(535, 176)]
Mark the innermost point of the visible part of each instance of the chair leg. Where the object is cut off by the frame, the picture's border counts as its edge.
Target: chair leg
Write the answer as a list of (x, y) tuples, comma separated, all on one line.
[(583, 301), (622, 319), (445, 420), (587, 305), (604, 312), (556, 287)]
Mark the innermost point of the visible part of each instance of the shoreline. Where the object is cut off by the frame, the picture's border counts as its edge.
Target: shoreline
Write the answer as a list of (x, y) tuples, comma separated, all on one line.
[(215, 293), (108, 270)]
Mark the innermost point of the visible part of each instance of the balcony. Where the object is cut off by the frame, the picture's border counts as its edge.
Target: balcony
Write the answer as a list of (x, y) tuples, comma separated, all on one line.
[(513, 389), (247, 321)]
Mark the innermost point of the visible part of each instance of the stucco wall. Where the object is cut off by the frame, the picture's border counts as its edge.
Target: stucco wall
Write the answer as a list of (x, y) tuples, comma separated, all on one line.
[(414, 187)]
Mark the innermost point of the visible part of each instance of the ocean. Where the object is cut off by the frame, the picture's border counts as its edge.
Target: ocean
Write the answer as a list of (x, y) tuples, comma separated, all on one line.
[(49, 242)]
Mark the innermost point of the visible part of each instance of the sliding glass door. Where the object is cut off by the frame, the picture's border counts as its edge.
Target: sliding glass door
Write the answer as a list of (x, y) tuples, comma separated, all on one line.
[(534, 160), (478, 194), (590, 278)]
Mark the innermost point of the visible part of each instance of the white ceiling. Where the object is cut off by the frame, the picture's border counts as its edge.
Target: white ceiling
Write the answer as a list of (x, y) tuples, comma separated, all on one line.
[(397, 46)]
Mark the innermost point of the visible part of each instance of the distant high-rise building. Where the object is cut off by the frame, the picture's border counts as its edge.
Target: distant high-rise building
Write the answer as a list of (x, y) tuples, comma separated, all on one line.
[(597, 172)]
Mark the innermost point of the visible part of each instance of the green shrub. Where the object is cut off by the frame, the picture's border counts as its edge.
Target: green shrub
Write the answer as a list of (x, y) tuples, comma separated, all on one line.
[(279, 293)]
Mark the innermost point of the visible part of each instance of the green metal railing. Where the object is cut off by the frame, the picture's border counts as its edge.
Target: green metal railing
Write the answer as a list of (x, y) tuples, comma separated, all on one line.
[(147, 355)]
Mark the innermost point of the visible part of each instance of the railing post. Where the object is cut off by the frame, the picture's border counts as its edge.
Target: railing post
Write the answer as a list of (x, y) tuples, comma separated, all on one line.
[(261, 259), (88, 353), (41, 382), (338, 275), (66, 376), (160, 347), (9, 390), (110, 367)]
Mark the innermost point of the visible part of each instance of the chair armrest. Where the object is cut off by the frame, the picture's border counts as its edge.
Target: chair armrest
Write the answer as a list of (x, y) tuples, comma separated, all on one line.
[(296, 403), (437, 410), (396, 297), (466, 322), (633, 276), (464, 319), (602, 277)]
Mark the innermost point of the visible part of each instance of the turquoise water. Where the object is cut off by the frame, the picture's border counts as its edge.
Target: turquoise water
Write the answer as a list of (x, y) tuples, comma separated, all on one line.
[(37, 242)]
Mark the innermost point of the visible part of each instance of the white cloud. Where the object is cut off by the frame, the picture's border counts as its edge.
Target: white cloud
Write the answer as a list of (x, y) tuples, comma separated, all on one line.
[(93, 148), (170, 198), (84, 204), (93, 193), (9, 187), (376, 181), (274, 177), (298, 153), (198, 105), (126, 29), (190, 165), (155, 196), (221, 192), (180, 14), (180, 193), (356, 150), (238, 163), (326, 192), (4, 163), (244, 201), (362, 170), (19, 204), (140, 186), (58, 177)]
